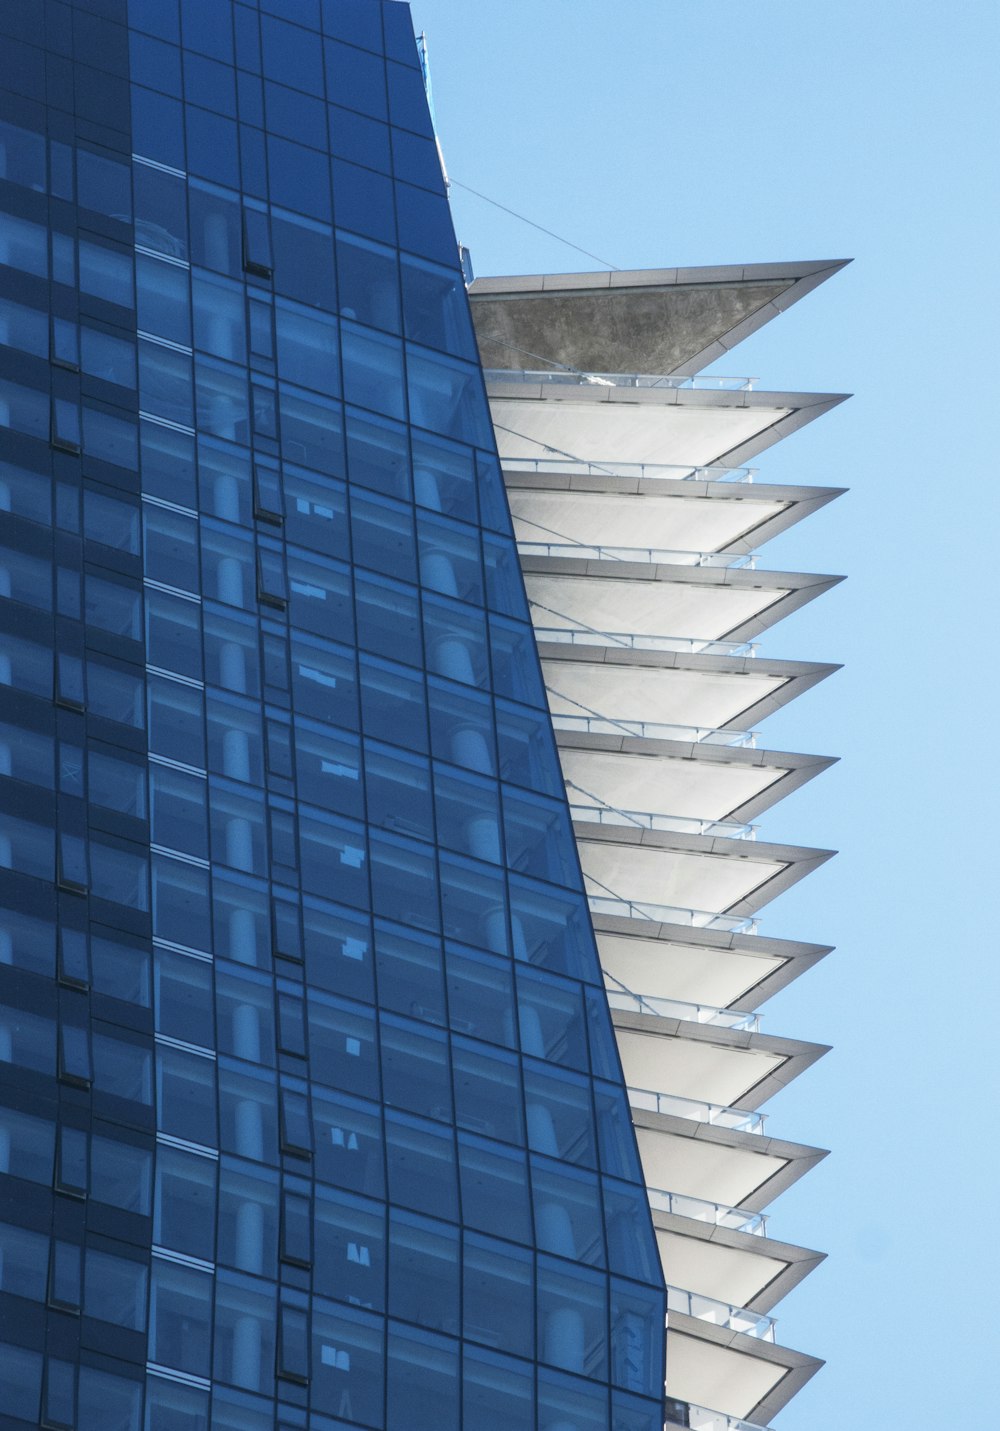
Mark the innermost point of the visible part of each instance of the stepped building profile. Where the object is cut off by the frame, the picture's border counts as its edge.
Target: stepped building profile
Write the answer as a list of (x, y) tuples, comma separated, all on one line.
[(379, 969), (638, 518)]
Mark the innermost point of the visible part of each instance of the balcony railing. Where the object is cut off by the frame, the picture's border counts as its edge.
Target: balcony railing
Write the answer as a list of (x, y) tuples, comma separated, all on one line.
[(666, 556), (647, 820), (701, 1210), (624, 999), (741, 1120), (721, 1314), (696, 645), (652, 730), (613, 904), (566, 463), (570, 377), (699, 1418)]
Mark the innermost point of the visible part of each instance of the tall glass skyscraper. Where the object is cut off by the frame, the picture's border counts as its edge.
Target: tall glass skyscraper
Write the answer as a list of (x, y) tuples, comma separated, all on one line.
[(312, 1114)]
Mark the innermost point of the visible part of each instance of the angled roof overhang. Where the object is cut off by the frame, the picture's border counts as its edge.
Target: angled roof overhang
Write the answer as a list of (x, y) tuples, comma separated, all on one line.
[(702, 1160), (692, 872), (678, 426), (672, 777), (657, 599), (690, 689), (728, 1067), (699, 966), (665, 320), (740, 1268), (745, 1376), (608, 511)]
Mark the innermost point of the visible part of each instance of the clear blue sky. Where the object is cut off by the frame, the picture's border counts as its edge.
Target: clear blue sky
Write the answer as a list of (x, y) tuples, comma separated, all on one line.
[(691, 132)]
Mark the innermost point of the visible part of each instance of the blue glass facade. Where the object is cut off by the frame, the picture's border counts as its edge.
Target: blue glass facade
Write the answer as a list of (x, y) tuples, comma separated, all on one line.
[(311, 1114)]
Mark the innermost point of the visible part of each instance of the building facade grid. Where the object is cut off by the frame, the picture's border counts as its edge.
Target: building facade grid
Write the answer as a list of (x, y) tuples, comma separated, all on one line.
[(312, 1113)]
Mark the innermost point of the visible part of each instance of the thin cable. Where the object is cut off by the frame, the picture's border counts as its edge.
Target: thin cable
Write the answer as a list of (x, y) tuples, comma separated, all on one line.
[(514, 214), (547, 447)]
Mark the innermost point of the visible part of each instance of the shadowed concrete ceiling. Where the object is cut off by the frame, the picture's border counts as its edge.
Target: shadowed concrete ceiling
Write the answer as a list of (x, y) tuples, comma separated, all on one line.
[(619, 330)]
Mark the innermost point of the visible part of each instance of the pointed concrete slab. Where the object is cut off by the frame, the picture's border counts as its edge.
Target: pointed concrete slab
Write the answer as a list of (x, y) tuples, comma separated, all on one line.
[(673, 777), (686, 516), (745, 1376), (723, 1165), (687, 427), (637, 321), (691, 872), (731, 1067), (741, 1268), (657, 600), (672, 687), (700, 966)]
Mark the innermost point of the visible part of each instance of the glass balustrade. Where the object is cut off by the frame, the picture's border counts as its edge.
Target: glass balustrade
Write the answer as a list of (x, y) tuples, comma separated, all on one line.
[(666, 556), (646, 820), (721, 1314), (700, 382), (624, 999), (700, 1418), (651, 730), (588, 636), (612, 467), (736, 1219), (613, 904), (741, 1120)]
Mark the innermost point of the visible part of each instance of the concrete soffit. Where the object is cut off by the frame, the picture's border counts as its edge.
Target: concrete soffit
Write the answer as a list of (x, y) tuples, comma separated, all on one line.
[(543, 420), (798, 1262), (792, 678), (665, 321), (780, 961), (754, 514), (787, 591), (783, 1162), (795, 1054), (785, 772)]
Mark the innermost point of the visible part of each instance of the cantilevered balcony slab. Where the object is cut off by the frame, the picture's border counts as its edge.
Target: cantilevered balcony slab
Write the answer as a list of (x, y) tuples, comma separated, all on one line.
[(691, 872), (746, 1376), (685, 779), (722, 1165), (729, 1067), (707, 967), (629, 512), (661, 600), (682, 426), (735, 1267), (693, 692), (660, 320)]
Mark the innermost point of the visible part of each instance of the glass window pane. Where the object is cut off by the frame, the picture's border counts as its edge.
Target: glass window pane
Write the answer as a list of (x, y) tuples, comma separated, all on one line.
[(104, 184), (248, 1219), (24, 246), (22, 157), (219, 324), (373, 371), (180, 1316), (184, 1215), (115, 1290), (25, 329), (106, 273), (121, 1174), (186, 1095), (308, 349), (20, 1381), (29, 1143), (25, 1262), (111, 521)]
